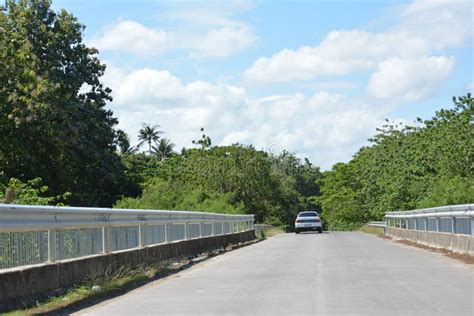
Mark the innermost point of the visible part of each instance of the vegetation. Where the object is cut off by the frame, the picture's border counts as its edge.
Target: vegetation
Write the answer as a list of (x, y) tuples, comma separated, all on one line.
[(53, 121), (405, 168), (102, 285), (231, 179)]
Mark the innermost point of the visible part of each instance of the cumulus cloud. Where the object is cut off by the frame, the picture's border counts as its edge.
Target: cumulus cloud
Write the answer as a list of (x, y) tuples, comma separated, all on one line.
[(133, 37), (322, 126), (203, 33), (422, 28), (409, 79)]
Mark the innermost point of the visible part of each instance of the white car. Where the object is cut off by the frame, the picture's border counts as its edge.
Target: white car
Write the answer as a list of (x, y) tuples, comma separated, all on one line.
[(308, 221)]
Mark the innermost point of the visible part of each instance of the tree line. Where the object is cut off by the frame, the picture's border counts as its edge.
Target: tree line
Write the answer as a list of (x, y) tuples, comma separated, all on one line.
[(60, 145)]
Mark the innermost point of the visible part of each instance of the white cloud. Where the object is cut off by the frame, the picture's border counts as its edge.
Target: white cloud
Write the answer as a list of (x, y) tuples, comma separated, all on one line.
[(411, 79), (442, 23), (340, 53), (324, 127), (132, 37), (203, 33), (422, 28)]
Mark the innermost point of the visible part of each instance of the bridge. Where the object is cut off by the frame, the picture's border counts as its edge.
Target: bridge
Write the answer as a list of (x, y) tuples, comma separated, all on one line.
[(330, 273)]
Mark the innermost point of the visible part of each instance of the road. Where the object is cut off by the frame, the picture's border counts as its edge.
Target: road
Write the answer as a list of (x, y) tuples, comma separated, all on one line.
[(333, 273)]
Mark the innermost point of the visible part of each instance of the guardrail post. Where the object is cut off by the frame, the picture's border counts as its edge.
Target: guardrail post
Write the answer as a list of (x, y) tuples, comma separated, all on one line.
[(212, 229), (437, 224), (416, 224), (141, 236), (52, 245), (238, 226), (200, 229), (472, 226), (185, 231), (105, 239), (166, 233), (222, 228), (453, 225)]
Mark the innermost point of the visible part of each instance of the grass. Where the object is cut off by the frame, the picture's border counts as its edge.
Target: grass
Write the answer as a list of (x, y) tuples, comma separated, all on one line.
[(270, 232), (99, 287), (372, 230)]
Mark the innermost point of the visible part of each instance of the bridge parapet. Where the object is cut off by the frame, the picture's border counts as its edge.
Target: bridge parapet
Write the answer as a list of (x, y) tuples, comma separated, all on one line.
[(39, 234), (450, 227)]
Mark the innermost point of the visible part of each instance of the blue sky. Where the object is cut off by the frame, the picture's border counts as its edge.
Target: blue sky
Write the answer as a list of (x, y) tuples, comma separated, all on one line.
[(313, 77)]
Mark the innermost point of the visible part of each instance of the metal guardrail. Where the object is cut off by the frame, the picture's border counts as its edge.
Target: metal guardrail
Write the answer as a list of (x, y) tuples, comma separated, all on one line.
[(454, 219), (377, 224), (38, 234)]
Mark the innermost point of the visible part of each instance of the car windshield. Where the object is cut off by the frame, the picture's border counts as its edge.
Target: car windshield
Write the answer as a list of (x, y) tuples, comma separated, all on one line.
[(308, 214)]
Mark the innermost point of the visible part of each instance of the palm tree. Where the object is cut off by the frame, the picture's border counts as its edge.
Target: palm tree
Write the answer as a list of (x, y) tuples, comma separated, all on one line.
[(148, 134), (123, 142), (164, 149)]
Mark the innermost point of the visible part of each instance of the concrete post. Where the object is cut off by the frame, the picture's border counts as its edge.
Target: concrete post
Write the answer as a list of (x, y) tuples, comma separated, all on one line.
[(52, 245), (105, 239), (141, 236)]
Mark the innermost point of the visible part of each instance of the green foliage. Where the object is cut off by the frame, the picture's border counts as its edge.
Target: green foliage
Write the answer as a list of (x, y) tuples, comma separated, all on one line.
[(53, 121), (449, 191), (231, 179), (405, 168), (165, 195), (32, 192)]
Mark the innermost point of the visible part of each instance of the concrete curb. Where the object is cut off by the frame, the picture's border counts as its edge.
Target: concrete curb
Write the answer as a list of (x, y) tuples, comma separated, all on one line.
[(463, 244)]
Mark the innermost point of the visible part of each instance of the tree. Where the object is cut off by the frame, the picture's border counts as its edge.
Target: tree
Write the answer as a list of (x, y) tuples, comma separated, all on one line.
[(149, 134), (123, 143), (164, 149), (205, 141), (53, 121), (405, 168)]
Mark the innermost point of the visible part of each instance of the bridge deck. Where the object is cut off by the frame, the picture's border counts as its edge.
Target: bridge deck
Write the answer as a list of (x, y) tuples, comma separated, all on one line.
[(332, 273)]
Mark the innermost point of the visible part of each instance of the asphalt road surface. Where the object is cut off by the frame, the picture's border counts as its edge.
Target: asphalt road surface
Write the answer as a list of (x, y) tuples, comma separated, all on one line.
[(326, 274)]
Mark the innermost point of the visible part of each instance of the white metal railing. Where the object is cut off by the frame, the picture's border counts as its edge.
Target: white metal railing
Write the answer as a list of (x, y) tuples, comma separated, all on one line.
[(38, 234), (454, 219), (377, 224)]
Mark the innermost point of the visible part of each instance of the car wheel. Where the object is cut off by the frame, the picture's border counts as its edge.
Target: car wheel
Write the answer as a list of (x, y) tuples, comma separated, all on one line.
[(320, 231), (297, 231)]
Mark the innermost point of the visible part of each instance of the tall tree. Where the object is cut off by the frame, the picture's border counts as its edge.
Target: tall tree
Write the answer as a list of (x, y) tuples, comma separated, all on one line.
[(53, 121), (149, 134), (164, 148), (123, 143)]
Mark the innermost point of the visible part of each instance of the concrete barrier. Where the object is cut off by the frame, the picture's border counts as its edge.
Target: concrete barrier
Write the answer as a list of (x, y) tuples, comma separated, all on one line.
[(25, 285), (454, 242)]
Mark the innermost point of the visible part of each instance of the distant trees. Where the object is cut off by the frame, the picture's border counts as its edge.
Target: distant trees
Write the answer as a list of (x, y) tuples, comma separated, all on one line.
[(405, 168), (149, 135), (163, 149), (234, 179)]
